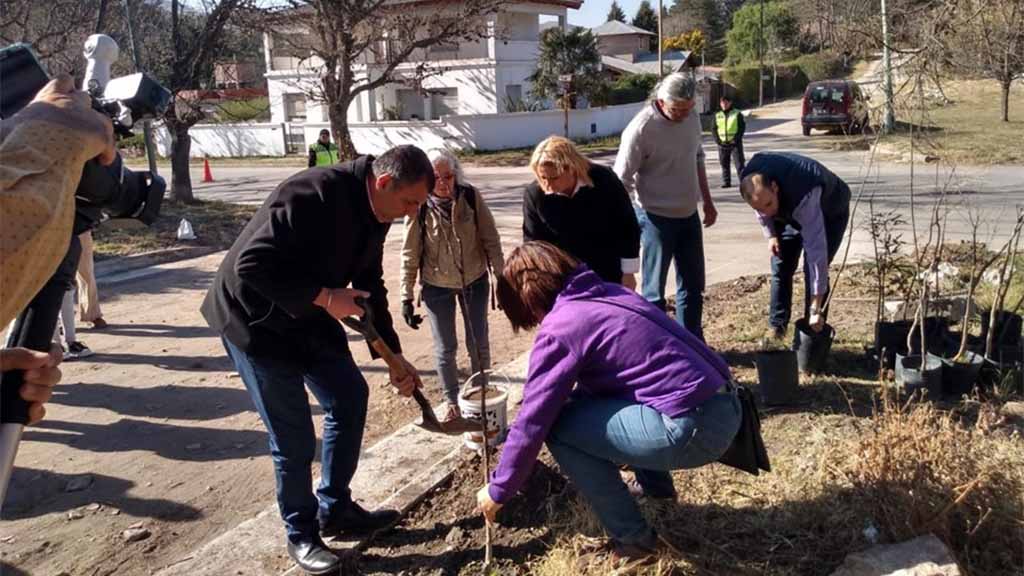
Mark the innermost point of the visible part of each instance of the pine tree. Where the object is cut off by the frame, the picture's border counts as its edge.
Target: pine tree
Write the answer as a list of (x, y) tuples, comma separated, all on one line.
[(616, 13), (646, 18)]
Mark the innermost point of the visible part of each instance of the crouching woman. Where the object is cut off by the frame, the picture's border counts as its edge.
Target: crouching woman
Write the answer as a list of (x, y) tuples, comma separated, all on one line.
[(612, 381)]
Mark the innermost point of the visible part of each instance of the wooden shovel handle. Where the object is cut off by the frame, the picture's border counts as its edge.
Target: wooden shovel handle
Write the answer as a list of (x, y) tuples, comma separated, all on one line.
[(390, 358)]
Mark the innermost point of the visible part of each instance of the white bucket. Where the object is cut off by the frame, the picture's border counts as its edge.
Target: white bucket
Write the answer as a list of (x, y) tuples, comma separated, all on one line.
[(497, 414)]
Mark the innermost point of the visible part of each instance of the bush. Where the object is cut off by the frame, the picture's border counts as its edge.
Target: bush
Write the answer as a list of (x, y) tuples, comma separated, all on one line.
[(631, 88), (790, 81), (820, 66)]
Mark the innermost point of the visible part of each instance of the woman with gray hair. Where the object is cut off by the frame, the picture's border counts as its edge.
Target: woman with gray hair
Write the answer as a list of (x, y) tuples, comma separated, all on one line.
[(661, 164), (450, 245)]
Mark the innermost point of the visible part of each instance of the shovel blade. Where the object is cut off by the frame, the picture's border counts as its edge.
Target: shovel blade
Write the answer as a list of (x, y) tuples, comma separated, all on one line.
[(449, 428)]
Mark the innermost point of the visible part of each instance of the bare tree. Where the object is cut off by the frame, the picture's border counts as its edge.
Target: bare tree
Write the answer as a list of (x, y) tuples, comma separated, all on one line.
[(356, 46), (56, 30), (986, 40), (196, 34)]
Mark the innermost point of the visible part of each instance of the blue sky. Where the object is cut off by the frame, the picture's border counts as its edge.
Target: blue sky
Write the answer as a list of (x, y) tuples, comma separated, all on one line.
[(594, 12)]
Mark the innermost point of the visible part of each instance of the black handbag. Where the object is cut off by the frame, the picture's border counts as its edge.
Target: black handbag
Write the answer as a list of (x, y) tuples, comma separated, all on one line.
[(747, 451)]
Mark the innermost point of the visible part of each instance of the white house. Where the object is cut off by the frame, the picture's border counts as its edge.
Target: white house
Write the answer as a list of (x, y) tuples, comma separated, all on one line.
[(481, 77)]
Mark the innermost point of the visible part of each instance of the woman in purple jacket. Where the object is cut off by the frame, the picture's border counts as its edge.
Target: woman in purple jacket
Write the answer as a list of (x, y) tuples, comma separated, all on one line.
[(612, 381)]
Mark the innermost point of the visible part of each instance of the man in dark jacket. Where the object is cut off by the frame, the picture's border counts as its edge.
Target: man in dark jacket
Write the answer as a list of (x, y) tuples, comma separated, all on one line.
[(276, 302), (801, 206), (728, 130)]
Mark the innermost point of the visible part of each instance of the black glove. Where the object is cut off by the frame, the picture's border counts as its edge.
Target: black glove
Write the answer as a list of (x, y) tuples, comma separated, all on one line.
[(409, 313)]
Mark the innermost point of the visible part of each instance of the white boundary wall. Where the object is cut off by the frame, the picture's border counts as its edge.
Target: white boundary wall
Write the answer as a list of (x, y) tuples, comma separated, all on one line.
[(462, 132)]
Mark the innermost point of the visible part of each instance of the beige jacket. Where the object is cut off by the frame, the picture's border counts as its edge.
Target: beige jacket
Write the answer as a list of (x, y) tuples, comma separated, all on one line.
[(432, 253)]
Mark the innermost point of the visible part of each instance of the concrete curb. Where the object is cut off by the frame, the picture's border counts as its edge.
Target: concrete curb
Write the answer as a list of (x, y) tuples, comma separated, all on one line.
[(396, 472), (119, 264)]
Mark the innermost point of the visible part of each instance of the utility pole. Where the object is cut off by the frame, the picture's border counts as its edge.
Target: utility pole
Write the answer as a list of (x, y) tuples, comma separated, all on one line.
[(889, 117), (760, 60), (147, 126), (661, 68)]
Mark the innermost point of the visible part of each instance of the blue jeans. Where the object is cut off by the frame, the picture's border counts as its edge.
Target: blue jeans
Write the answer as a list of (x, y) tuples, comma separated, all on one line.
[(791, 244), (593, 436), (680, 239), (277, 390), (440, 303)]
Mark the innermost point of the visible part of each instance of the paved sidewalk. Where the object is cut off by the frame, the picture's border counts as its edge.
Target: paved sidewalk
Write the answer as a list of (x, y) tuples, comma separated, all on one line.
[(394, 473)]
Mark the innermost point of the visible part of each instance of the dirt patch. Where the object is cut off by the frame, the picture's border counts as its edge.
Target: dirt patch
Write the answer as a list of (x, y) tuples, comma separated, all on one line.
[(444, 536), (849, 469), (216, 226)]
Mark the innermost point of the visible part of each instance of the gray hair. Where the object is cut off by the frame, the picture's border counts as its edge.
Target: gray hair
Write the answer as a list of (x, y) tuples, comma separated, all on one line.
[(676, 86), (444, 155), (405, 164)]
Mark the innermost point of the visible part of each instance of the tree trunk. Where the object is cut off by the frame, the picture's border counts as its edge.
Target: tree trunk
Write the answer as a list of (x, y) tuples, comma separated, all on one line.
[(1006, 100), (181, 179), (338, 116)]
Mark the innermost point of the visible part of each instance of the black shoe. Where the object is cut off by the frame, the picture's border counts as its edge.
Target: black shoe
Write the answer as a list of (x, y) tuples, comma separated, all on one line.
[(727, 185), (636, 490), (356, 520), (314, 556)]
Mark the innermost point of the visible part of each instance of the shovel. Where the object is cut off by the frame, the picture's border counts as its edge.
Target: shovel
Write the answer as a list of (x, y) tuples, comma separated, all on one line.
[(428, 421)]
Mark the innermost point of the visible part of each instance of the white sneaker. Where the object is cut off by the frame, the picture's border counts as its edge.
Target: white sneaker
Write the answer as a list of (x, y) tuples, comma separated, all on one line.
[(77, 351)]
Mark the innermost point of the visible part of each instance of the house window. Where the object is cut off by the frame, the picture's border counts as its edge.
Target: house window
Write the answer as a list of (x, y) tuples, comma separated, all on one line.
[(513, 96), (294, 107), (410, 104), (444, 102)]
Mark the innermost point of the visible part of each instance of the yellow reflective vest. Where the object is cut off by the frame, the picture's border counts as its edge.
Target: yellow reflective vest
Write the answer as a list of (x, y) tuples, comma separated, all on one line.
[(727, 125), (325, 155)]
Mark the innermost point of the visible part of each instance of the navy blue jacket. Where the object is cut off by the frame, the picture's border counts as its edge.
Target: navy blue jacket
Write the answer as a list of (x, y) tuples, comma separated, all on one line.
[(797, 176)]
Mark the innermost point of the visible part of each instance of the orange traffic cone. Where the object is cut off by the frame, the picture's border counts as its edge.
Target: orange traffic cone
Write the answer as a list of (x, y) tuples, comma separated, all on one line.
[(207, 175)]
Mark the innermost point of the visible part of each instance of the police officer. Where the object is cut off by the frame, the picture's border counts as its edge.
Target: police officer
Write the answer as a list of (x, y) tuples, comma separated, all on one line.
[(729, 128), (802, 206), (323, 152)]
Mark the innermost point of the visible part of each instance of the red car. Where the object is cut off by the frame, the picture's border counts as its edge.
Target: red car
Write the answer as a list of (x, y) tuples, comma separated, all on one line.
[(831, 104)]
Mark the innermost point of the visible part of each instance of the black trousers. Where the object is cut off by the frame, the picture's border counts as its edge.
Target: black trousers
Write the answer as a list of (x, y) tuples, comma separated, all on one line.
[(728, 154)]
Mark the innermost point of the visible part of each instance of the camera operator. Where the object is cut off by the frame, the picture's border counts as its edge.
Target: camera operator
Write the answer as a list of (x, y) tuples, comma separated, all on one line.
[(43, 149)]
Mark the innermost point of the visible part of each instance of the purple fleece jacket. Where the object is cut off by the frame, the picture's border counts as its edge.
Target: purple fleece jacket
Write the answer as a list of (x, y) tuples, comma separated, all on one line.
[(602, 350)]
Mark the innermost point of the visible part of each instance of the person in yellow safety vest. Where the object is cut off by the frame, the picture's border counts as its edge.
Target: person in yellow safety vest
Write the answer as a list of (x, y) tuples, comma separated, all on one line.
[(323, 152), (729, 128)]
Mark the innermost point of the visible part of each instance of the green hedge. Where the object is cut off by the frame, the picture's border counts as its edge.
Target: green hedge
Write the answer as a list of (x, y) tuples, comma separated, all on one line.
[(821, 66), (792, 80), (631, 88)]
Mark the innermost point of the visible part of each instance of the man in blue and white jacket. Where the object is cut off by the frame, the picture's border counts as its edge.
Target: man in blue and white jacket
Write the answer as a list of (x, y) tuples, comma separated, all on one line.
[(802, 206)]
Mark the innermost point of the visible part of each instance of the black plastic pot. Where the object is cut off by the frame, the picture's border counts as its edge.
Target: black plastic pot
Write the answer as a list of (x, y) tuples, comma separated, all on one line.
[(910, 377), (1008, 328), (937, 333), (892, 338), (812, 348), (959, 378), (777, 373)]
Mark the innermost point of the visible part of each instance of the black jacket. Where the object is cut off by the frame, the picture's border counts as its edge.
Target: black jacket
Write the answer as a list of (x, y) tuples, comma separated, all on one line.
[(316, 230), (597, 225)]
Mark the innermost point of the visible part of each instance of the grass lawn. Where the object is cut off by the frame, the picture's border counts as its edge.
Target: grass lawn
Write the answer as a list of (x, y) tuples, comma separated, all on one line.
[(969, 130), (216, 225)]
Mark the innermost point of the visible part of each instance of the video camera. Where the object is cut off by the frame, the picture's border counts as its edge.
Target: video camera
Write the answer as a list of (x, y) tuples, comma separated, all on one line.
[(104, 191)]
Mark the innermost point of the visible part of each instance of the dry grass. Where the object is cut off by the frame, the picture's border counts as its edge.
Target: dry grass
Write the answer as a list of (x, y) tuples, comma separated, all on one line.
[(216, 225), (844, 461), (521, 156), (969, 130)]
